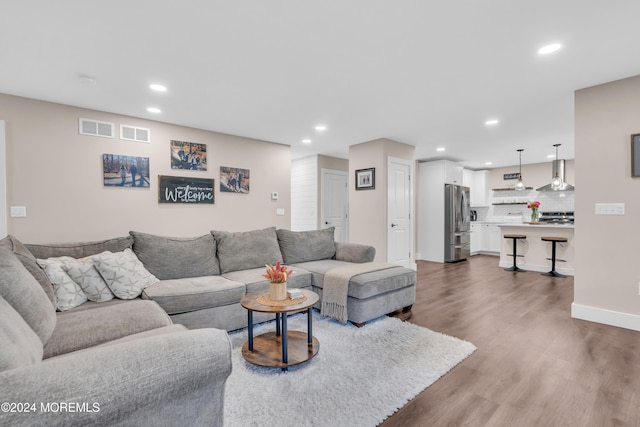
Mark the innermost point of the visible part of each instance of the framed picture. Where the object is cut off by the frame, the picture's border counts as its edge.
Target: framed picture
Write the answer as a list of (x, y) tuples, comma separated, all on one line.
[(180, 189), (366, 179), (188, 155), (635, 154), (125, 171), (234, 180)]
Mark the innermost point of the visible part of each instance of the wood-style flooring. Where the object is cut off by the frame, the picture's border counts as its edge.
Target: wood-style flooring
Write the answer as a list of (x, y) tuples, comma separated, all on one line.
[(534, 366)]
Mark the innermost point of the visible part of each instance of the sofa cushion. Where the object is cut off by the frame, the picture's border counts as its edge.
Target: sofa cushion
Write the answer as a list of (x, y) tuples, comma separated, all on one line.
[(84, 273), (80, 249), (124, 273), (367, 284), (100, 323), (194, 293), (303, 246), (254, 281), (248, 249), (20, 345), (67, 292), (29, 261), (23, 292), (175, 258)]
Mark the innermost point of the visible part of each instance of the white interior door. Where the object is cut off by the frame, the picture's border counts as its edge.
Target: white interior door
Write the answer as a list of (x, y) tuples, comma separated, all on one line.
[(399, 206), (335, 199)]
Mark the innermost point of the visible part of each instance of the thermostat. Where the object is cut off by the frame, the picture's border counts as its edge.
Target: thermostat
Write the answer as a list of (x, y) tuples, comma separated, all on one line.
[(274, 195)]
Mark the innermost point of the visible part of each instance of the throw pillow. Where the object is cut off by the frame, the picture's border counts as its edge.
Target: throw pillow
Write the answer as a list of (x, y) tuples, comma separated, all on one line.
[(176, 258), (84, 273), (303, 246), (245, 250), (20, 345), (124, 273), (29, 261), (67, 292), (19, 288)]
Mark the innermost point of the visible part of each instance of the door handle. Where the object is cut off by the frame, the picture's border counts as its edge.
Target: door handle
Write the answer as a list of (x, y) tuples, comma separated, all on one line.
[(394, 225)]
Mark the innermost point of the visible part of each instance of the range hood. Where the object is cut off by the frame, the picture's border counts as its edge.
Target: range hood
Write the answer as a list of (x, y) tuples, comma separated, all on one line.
[(558, 166)]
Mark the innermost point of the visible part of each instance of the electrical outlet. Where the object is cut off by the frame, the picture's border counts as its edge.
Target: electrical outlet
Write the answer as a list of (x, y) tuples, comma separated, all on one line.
[(280, 212)]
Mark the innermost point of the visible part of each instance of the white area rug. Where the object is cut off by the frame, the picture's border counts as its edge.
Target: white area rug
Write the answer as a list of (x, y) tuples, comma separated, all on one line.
[(359, 377)]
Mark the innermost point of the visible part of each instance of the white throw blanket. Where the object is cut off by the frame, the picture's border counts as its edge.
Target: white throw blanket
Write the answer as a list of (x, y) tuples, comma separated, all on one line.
[(336, 284)]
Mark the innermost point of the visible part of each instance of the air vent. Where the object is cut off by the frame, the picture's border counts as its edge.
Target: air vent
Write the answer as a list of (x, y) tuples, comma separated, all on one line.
[(95, 128), (133, 133)]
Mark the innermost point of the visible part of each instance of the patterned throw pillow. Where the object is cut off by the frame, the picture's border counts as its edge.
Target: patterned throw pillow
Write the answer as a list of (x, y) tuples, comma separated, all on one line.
[(67, 292), (124, 273), (84, 273)]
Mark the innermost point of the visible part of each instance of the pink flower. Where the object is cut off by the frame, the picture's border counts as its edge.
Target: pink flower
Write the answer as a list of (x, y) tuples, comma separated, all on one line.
[(277, 274)]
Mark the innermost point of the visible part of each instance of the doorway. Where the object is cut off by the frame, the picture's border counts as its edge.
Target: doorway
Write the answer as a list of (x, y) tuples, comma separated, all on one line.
[(399, 207), (335, 202)]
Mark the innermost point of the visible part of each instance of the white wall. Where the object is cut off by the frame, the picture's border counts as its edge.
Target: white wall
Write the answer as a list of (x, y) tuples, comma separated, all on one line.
[(304, 194)]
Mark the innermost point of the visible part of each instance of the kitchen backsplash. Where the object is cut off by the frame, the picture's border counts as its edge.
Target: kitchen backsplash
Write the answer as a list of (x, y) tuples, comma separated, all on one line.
[(560, 201)]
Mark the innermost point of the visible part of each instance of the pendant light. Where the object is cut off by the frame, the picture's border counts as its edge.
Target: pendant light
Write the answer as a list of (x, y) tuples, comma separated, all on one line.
[(520, 184), (556, 182)]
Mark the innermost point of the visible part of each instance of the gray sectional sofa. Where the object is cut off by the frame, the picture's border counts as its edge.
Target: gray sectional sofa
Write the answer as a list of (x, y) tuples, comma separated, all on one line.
[(161, 358)]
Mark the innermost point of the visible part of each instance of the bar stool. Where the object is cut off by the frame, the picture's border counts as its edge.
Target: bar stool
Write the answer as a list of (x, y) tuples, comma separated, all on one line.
[(554, 241), (515, 238)]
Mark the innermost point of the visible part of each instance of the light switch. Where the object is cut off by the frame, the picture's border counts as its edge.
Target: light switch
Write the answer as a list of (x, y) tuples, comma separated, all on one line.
[(609, 208), (280, 212), (18, 211)]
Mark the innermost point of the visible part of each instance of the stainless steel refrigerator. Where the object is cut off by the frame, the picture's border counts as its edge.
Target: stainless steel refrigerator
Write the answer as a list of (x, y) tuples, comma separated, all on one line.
[(457, 223)]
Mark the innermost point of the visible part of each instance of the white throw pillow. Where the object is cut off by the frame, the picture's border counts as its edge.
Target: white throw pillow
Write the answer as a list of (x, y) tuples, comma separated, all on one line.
[(85, 274), (124, 273), (68, 293)]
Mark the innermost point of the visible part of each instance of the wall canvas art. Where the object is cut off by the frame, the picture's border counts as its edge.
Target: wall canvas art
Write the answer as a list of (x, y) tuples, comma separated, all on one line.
[(188, 155), (185, 189), (234, 180), (125, 171)]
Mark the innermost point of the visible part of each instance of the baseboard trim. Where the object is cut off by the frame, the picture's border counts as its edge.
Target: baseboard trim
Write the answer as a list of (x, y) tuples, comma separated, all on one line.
[(606, 317), (538, 268)]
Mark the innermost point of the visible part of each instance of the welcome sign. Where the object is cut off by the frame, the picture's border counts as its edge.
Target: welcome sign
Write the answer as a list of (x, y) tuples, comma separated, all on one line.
[(178, 189)]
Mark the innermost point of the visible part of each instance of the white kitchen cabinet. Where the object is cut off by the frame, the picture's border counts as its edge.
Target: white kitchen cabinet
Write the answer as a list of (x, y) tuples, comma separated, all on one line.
[(453, 173), (476, 238), (477, 181), (494, 239)]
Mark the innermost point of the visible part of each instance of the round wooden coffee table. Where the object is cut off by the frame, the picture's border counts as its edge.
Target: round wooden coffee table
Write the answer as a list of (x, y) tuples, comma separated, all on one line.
[(282, 348)]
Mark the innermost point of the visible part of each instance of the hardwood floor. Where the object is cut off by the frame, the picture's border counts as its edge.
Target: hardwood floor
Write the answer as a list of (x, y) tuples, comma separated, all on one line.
[(534, 366)]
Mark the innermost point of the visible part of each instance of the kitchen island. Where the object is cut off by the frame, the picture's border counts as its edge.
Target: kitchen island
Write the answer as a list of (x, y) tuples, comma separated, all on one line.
[(536, 251)]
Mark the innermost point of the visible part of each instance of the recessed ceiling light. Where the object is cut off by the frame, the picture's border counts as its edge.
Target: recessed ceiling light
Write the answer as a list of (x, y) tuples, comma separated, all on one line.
[(320, 128), (491, 122), (154, 110), (550, 156), (158, 88), (440, 149), (488, 163), (550, 48), (306, 141)]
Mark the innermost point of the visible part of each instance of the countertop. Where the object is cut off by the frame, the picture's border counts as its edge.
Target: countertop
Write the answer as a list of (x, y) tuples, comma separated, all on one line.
[(524, 224)]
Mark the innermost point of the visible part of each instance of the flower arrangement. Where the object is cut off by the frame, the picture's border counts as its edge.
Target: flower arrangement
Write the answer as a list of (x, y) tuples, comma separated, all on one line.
[(534, 210), (278, 273)]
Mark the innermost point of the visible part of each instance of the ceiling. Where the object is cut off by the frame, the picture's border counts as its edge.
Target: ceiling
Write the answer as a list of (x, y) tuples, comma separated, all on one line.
[(423, 73)]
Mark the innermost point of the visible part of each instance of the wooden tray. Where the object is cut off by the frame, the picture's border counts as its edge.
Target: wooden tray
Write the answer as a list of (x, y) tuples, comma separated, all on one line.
[(534, 223)]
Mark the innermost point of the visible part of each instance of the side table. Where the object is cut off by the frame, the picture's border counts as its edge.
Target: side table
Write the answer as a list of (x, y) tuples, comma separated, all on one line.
[(282, 348)]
